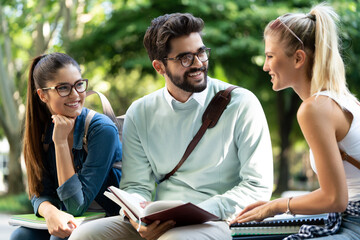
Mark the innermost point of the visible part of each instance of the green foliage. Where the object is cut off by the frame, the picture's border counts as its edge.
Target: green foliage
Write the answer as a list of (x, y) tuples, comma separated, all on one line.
[(234, 32), (15, 204), (233, 29), (350, 23), (112, 56)]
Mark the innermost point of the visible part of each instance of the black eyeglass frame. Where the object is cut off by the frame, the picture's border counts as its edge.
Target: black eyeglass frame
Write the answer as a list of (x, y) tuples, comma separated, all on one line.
[(206, 50), (71, 87)]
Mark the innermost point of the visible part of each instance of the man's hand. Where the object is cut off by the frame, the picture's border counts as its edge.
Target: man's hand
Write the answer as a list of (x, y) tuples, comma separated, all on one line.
[(154, 230)]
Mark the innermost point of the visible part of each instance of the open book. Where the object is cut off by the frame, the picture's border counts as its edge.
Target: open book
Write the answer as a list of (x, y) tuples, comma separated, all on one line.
[(32, 221), (182, 213), (279, 224)]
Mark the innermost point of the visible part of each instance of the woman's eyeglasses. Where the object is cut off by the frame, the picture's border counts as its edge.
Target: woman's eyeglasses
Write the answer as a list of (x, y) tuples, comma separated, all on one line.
[(65, 89), (278, 22), (187, 59)]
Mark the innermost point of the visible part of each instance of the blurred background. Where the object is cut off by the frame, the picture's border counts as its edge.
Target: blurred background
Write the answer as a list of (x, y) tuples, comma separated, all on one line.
[(105, 37)]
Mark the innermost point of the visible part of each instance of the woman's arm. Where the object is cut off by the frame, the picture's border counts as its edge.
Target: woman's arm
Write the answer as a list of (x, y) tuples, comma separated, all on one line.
[(323, 124), (59, 223), (104, 148), (63, 126)]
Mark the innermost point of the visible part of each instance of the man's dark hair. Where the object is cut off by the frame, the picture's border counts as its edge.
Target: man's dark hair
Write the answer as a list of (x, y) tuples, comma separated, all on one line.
[(167, 27)]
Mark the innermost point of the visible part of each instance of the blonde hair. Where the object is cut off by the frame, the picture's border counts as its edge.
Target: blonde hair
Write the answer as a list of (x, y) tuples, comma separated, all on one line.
[(319, 33)]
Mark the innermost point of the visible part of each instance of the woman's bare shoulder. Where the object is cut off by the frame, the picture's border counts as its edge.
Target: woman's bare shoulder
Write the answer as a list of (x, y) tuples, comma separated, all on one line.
[(317, 107)]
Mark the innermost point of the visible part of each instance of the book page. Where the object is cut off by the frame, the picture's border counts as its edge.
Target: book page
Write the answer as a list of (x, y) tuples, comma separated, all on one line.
[(292, 218), (160, 205), (132, 203), (264, 230), (182, 213), (121, 204), (279, 224)]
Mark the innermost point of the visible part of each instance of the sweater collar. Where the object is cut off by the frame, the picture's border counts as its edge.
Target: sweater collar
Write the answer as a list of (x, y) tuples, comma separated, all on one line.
[(199, 97)]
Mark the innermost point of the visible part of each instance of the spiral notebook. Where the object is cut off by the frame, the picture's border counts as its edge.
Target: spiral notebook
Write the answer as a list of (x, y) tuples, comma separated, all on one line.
[(280, 224)]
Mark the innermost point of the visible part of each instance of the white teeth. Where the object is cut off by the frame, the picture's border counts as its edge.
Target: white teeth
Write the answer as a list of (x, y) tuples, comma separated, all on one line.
[(194, 74), (72, 104)]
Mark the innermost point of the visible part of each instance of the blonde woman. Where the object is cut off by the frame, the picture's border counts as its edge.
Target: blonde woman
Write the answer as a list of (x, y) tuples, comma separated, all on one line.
[(302, 53)]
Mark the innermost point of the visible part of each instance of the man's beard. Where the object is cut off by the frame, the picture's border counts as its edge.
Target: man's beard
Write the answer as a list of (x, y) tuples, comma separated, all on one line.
[(184, 84)]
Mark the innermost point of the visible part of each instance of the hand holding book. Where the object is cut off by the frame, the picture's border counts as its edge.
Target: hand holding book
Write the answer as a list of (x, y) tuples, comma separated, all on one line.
[(178, 211), (32, 221), (153, 230)]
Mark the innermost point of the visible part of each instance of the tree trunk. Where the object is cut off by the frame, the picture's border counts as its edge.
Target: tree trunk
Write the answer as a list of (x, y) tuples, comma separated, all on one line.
[(39, 41), (15, 178), (286, 115), (9, 115)]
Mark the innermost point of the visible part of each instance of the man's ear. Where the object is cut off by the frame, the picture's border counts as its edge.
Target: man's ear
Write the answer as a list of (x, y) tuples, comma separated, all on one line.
[(42, 95), (159, 66), (300, 57)]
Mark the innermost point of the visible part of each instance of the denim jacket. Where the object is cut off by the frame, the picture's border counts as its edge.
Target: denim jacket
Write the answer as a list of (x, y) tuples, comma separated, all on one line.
[(93, 170)]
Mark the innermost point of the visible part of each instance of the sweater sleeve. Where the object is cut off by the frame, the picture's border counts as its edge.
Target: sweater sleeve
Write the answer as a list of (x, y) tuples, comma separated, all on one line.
[(137, 176)]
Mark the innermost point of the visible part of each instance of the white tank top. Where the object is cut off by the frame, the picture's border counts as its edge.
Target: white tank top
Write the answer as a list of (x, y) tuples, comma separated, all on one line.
[(350, 144)]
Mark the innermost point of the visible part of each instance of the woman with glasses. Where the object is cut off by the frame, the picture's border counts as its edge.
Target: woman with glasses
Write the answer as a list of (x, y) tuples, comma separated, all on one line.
[(62, 175), (302, 53)]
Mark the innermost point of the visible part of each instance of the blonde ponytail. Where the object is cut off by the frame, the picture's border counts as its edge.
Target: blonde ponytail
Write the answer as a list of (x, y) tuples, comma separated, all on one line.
[(328, 68)]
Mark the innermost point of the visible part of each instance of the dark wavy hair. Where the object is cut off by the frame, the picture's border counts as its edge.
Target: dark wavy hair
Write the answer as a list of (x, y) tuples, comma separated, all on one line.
[(167, 27)]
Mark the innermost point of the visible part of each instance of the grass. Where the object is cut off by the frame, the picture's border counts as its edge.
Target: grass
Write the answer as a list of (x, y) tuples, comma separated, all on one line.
[(15, 204)]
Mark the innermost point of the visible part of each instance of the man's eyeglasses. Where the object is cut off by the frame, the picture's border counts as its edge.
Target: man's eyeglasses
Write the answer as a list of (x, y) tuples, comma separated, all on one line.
[(278, 22), (188, 58), (65, 89)]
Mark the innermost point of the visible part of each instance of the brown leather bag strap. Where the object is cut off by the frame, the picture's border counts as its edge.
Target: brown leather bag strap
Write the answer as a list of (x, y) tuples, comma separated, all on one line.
[(349, 159), (210, 117), (107, 109)]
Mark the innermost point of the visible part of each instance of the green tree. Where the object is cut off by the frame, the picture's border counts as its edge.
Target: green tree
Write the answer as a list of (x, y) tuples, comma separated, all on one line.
[(233, 29), (29, 29), (10, 119), (106, 38)]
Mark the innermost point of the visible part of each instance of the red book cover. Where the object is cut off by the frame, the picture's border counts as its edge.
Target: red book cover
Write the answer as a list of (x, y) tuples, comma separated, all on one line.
[(182, 213), (186, 214)]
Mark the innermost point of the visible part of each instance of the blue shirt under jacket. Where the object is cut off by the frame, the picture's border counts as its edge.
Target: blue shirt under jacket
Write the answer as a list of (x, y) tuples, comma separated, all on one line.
[(94, 171)]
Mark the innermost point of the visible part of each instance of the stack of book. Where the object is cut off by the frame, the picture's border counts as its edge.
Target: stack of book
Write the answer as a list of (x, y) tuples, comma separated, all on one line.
[(279, 225)]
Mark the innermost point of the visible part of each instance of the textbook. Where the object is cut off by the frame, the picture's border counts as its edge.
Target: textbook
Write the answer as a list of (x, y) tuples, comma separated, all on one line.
[(279, 224), (32, 221), (182, 213)]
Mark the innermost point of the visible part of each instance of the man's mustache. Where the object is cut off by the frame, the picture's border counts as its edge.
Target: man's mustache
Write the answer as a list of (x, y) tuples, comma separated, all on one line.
[(202, 69)]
